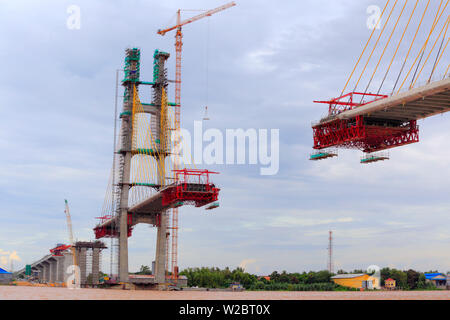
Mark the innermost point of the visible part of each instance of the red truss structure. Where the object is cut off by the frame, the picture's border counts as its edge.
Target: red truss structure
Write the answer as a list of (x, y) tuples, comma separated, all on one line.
[(57, 251), (192, 186), (366, 133), (337, 105), (107, 228)]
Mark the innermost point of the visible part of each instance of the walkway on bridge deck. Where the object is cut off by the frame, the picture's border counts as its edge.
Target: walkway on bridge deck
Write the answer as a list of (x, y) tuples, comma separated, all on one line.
[(422, 102)]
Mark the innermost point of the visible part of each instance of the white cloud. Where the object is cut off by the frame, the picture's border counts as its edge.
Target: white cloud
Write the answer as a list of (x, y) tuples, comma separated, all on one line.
[(257, 61), (291, 221), (244, 263), (266, 65)]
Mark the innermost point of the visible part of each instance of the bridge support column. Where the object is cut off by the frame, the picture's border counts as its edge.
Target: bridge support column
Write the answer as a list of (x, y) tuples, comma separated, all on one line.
[(60, 269), (123, 246), (66, 263), (161, 250), (95, 265), (46, 272), (131, 84), (81, 261), (40, 270), (123, 223), (52, 267)]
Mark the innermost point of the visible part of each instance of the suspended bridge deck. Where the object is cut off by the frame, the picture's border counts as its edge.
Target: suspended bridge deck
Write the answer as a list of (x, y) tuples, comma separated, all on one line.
[(384, 123), (414, 104), (149, 210)]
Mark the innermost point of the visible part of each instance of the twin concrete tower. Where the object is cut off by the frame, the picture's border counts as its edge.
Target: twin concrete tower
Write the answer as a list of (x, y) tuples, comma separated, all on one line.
[(128, 149), (137, 149)]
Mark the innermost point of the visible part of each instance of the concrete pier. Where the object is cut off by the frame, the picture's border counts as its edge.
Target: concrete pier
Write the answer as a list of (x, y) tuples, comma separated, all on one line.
[(53, 268), (95, 265), (46, 271), (81, 261)]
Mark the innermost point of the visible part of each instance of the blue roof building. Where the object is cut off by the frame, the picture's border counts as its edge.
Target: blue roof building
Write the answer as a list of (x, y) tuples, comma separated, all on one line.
[(438, 279), (3, 271), (430, 276), (5, 276)]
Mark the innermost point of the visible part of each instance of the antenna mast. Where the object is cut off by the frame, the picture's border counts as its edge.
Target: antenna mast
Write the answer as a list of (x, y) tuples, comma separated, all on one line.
[(330, 252)]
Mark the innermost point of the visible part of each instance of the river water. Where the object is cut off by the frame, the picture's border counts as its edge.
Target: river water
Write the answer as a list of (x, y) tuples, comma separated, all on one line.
[(50, 293)]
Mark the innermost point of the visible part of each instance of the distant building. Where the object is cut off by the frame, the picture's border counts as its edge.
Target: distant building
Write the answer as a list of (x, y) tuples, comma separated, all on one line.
[(236, 287), (389, 284), (358, 281), (264, 277), (438, 279), (5, 276)]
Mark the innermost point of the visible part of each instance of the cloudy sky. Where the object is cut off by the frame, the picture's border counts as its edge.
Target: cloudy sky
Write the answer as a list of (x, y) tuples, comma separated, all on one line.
[(265, 62)]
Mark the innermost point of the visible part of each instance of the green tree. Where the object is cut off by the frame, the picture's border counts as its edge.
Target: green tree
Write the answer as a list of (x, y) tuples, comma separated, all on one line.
[(144, 270), (412, 279), (421, 282), (217, 278), (400, 278)]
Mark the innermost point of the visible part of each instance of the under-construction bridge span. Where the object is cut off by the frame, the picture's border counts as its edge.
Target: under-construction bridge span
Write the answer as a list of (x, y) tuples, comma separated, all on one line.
[(384, 123), (371, 122), (171, 196)]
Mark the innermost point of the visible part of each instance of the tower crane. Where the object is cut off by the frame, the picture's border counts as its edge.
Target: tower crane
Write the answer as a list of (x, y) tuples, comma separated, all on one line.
[(178, 46), (69, 227)]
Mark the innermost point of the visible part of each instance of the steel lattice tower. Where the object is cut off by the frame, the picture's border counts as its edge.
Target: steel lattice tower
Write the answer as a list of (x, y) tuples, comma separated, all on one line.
[(330, 252)]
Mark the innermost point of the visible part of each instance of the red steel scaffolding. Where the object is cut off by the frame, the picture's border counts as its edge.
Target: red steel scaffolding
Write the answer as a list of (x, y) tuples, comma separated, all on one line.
[(364, 133)]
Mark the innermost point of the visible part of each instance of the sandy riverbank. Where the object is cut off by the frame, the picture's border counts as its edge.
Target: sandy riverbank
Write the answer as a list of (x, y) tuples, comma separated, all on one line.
[(48, 293)]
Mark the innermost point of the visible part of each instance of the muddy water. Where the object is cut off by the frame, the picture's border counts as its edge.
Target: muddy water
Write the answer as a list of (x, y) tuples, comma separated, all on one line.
[(46, 293)]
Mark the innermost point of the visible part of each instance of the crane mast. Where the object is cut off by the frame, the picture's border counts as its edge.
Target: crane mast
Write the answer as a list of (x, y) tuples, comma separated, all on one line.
[(69, 227), (178, 49)]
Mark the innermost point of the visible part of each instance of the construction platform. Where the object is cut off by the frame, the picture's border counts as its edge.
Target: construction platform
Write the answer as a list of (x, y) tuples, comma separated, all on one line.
[(370, 158), (183, 192), (380, 124), (322, 155)]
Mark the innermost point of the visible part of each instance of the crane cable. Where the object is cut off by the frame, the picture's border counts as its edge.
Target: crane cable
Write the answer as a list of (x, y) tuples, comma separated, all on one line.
[(364, 50), (207, 63), (423, 47), (398, 46), (429, 54), (385, 47), (410, 47)]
